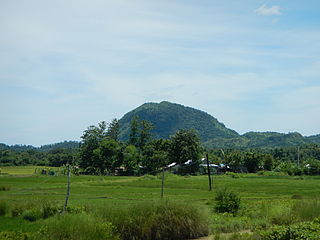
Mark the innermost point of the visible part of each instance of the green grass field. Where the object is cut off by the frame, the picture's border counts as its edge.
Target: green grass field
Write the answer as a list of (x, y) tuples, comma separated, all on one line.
[(255, 191), (21, 170)]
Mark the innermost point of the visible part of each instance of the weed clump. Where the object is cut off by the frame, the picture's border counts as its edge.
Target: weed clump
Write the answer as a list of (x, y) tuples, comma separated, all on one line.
[(76, 227), (32, 214), (306, 210), (227, 202), (8, 235), (158, 220)]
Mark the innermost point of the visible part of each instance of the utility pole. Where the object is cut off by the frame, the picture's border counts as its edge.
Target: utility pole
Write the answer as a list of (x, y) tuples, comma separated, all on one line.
[(298, 156), (162, 185), (208, 167), (68, 191)]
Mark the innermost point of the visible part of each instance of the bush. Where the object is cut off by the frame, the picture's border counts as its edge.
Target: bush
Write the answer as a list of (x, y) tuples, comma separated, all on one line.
[(49, 209), (5, 188), (227, 201), (14, 236), (300, 231), (297, 196), (18, 208), (4, 208), (34, 210), (158, 220), (32, 214), (76, 227)]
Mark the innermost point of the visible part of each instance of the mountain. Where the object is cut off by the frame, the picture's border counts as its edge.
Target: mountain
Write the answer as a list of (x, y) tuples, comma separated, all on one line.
[(167, 118), (59, 145), (260, 140), (43, 148), (314, 138)]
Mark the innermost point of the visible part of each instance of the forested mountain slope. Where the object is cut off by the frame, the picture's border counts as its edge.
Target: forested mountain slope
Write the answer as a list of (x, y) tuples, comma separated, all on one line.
[(167, 118)]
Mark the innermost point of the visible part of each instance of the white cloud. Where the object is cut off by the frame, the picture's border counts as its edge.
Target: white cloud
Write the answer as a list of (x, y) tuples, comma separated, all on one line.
[(268, 11)]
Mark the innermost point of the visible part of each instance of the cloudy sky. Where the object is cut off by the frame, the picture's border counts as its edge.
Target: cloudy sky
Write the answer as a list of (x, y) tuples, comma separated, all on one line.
[(65, 65)]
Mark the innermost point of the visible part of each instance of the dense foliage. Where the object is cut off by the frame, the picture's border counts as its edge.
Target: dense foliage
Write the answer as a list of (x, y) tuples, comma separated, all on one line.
[(167, 118), (101, 154), (227, 202)]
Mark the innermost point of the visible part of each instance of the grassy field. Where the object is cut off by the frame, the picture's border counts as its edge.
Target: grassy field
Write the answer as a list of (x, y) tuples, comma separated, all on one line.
[(21, 170), (256, 193)]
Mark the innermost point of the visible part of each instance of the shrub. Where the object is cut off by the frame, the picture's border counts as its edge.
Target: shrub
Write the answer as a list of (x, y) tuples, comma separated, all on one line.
[(76, 227), (5, 188), (33, 210), (227, 201), (297, 196), (74, 209), (300, 231), (4, 208), (14, 236), (18, 208), (32, 214), (158, 220), (49, 209)]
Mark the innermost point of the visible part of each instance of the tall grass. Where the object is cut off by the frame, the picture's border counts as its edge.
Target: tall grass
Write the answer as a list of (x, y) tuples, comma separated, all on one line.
[(306, 210), (76, 227), (163, 220)]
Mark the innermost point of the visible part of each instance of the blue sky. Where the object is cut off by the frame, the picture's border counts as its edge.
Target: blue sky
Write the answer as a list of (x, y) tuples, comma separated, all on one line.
[(65, 65)]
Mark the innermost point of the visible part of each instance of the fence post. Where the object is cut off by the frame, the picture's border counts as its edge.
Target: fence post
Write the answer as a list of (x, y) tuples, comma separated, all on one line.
[(208, 167), (162, 185), (68, 191)]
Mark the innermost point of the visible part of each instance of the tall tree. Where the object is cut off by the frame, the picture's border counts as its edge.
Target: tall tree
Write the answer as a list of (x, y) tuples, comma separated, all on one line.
[(90, 141), (131, 159), (185, 145), (113, 129), (134, 132), (144, 133), (108, 155), (155, 154)]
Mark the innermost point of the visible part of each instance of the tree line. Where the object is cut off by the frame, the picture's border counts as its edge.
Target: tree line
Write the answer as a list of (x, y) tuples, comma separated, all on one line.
[(101, 152)]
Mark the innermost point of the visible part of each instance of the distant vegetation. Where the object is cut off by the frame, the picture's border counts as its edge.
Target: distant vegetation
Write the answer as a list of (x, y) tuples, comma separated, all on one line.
[(51, 155)]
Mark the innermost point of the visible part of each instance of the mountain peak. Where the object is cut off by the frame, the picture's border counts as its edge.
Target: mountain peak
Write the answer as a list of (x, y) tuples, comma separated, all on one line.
[(168, 117)]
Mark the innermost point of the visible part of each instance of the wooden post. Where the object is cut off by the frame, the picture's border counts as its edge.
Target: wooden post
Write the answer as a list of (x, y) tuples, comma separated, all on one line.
[(68, 191), (298, 156), (162, 185), (208, 167)]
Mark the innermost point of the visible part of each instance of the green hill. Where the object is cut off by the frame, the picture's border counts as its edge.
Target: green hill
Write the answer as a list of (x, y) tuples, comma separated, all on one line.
[(314, 138), (260, 140), (167, 118)]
